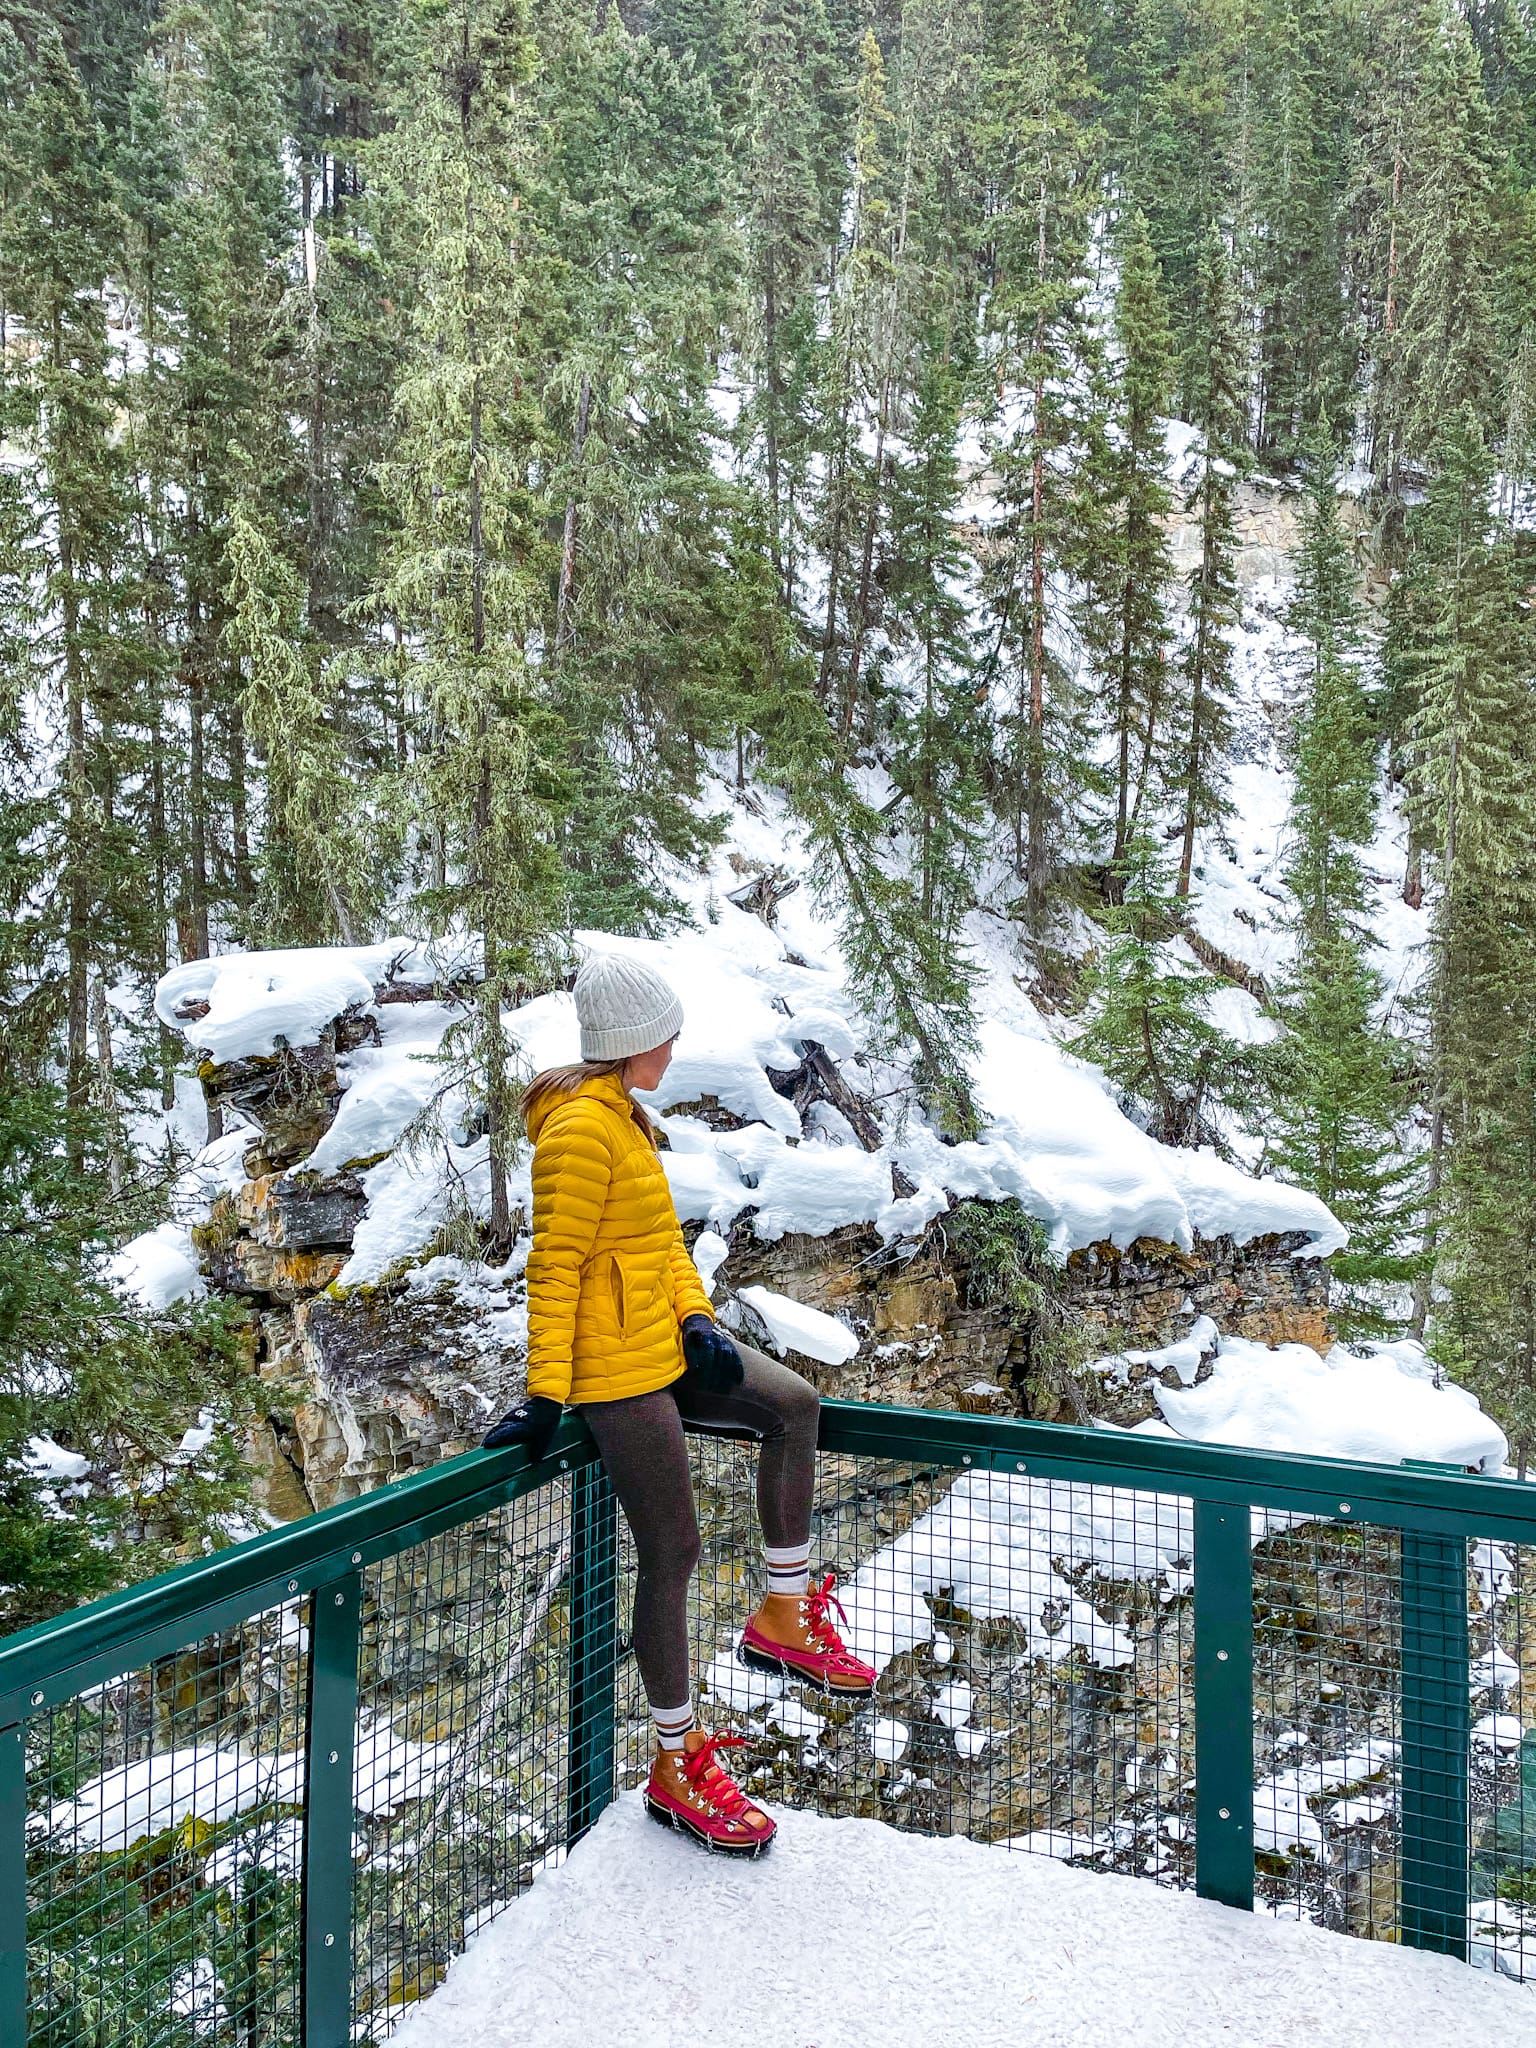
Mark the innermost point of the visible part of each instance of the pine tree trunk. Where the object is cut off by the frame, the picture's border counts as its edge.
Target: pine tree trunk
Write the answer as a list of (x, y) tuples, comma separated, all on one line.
[(861, 602), (1036, 868), (167, 1042), (106, 1092), (925, 812), (1123, 730), (888, 376), (500, 1222), (771, 435), (240, 831), (197, 793), (317, 522), (565, 602), (837, 496), (1197, 684), (1413, 874), (77, 891), (1424, 1281), (834, 550), (402, 749), (1143, 769), (1192, 786)]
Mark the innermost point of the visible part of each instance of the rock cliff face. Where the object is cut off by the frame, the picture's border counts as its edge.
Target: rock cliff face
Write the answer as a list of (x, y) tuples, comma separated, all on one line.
[(930, 1342)]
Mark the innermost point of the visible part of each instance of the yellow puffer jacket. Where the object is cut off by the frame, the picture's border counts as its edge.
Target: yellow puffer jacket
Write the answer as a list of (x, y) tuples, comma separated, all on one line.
[(609, 1277)]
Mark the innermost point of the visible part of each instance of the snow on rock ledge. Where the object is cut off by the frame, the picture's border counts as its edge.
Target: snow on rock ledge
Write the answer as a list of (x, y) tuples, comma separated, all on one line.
[(794, 1327), (239, 1005), (1053, 1135)]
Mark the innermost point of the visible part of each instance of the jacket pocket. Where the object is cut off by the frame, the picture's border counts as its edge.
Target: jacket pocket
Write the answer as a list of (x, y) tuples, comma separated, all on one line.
[(618, 1292), (637, 1285)]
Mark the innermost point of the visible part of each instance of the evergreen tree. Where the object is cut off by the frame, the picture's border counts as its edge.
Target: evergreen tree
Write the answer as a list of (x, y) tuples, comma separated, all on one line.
[(1461, 652), (84, 1375), (1149, 1011), (1042, 151), (856, 393), (317, 855), (910, 972), (58, 235), (790, 173), (1307, 341), (644, 609), (1167, 71), (1216, 384), (1339, 1102), (340, 317), (1439, 350), (937, 738), (223, 100), (1142, 570), (467, 576)]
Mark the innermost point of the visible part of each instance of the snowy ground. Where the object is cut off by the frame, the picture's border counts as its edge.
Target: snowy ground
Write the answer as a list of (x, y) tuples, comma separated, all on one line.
[(849, 1933)]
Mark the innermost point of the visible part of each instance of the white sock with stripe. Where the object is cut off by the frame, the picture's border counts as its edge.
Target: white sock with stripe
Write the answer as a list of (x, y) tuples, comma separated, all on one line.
[(789, 1567), (672, 1724)]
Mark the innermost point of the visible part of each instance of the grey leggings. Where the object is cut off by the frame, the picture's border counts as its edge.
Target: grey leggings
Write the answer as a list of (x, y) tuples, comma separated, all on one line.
[(641, 1441)]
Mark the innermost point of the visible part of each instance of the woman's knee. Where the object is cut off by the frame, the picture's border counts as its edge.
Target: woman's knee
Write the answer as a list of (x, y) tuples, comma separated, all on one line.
[(673, 1557), (787, 1405), (801, 1408)]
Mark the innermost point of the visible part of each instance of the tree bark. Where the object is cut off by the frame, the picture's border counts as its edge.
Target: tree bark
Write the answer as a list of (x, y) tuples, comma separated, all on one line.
[(240, 831), (1197, 684), (775, 380), (77, 943), (565, 601), (500, 1221), (1123, 722), (106, 1091), (1035, 872)]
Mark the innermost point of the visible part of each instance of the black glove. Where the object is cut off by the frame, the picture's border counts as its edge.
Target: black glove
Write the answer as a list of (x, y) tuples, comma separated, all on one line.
[(533, 1421), (710, 1355)]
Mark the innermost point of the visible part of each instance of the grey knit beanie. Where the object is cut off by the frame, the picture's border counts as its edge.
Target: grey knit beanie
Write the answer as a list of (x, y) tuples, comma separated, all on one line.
[(623, 1008)]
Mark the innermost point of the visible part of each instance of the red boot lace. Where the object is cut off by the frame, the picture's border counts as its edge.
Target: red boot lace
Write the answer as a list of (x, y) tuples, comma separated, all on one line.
[(702, 1769), (818, 1620)]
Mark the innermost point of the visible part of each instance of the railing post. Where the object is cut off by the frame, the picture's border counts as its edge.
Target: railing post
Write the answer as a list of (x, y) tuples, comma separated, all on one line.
[(1436, 1737), (1223, 1703), (13, 1884), (335, 1622), (594, 1650)]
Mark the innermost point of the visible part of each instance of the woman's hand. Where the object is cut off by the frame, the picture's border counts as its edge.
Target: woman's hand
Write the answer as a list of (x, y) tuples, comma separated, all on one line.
[(710, 1355), (533, 1421)]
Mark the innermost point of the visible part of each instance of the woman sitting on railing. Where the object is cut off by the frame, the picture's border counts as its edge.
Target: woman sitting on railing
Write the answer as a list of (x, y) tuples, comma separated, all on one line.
[(620, 1326)]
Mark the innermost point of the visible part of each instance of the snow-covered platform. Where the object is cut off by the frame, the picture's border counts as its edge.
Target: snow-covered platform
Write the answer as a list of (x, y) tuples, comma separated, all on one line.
[(850, 1934)]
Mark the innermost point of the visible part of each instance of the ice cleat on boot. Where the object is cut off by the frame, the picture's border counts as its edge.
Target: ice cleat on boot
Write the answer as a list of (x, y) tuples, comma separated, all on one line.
[(796, 1639), (691, 1791)]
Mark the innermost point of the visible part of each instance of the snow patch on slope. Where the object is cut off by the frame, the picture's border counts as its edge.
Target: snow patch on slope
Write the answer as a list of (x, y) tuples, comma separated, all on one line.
[(1379, 1402)]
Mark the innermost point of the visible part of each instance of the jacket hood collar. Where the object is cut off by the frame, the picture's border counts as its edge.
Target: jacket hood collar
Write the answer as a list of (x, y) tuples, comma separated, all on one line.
[(606, 1088)]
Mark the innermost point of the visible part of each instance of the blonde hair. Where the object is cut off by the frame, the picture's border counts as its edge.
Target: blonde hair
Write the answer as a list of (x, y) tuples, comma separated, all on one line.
[(557, 1081)]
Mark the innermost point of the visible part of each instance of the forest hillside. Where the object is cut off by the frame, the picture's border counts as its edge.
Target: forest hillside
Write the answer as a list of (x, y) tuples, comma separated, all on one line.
[(1001, 523)]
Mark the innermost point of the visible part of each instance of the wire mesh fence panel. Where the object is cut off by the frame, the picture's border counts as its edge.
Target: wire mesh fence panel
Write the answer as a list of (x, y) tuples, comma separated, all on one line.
[(165, 1849), (1502, 1778), (1043, 1648), (1033, 1644), (462, 1744), (1327, 1691)]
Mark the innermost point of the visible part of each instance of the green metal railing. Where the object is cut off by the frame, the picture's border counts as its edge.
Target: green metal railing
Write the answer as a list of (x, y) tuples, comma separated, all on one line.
[(266, 1798)]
